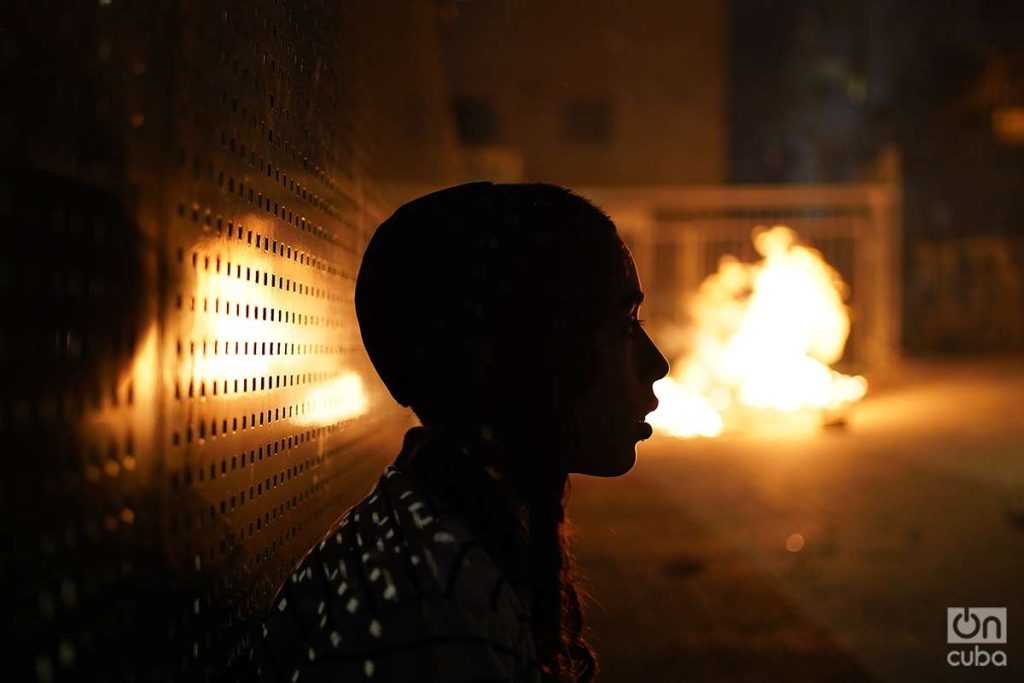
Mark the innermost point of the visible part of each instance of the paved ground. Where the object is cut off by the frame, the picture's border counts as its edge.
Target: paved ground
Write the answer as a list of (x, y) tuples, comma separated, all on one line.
[(916, 506)]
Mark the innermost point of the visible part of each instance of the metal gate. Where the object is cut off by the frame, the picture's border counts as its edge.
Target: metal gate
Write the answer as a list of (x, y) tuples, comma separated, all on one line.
[(679, 234)]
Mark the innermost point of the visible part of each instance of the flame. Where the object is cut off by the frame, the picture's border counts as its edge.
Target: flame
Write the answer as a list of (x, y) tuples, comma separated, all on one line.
[(763, 337)]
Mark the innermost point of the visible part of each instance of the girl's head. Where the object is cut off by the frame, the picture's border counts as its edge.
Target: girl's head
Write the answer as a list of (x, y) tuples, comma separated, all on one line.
[(511, 311)]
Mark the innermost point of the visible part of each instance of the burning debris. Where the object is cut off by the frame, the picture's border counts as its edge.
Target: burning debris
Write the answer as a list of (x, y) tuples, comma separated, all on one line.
[(762, 337)]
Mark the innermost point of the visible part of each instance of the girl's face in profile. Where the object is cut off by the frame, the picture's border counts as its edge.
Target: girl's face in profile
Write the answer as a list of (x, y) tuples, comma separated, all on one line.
[(607, 420)]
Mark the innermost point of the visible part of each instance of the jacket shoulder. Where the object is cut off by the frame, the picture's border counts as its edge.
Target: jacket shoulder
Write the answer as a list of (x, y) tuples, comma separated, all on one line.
[(393, 574)]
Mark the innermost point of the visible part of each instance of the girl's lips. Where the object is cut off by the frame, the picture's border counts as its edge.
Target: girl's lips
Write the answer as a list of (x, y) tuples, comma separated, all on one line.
[(644, 430)]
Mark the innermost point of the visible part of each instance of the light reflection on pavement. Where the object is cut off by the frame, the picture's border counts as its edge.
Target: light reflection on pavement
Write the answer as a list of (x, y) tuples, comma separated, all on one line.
[(916, 506)]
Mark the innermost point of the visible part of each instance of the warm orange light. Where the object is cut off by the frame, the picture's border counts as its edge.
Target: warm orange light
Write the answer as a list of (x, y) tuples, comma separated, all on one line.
[(763, 337), (340, 399), (226, 325), (1008, 125)]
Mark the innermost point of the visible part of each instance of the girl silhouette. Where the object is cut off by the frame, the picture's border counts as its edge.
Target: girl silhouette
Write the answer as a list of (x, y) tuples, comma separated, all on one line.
[(505, 316)]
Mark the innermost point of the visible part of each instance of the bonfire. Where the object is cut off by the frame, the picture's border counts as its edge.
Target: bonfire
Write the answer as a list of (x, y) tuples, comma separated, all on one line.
[(761, 340)]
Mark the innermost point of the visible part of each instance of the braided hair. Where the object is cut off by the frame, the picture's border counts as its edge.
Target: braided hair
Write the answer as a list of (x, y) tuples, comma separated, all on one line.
[(477, 306)]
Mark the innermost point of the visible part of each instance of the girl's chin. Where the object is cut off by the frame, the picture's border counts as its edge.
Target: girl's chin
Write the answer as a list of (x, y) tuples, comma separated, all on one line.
[(611, 464)]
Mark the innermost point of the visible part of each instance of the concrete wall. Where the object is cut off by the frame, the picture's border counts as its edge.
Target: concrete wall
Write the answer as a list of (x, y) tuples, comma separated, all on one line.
[(661, 66)]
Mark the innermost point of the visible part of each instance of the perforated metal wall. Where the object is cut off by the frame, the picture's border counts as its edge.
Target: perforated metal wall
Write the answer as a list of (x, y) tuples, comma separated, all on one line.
[(186, 405)]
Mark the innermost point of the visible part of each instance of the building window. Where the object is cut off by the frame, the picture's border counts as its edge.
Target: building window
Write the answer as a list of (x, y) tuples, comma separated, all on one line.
[(475, 121), (588, 121)]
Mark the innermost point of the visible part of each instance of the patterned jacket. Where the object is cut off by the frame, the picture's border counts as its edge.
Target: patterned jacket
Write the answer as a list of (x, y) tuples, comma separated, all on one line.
[(398, 590)]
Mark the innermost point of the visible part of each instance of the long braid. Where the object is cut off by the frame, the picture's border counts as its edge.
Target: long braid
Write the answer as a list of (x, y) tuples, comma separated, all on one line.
[(547, 560), (536, 558), (557, 615)]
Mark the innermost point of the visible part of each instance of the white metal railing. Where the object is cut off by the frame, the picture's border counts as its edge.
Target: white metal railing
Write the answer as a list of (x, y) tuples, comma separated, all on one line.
[(678, 235)]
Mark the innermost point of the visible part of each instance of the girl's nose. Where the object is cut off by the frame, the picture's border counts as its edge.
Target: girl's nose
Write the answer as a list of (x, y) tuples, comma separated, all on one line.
[(657, 365)]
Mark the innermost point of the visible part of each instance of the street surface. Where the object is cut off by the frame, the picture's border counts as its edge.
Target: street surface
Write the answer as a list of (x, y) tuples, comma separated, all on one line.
[(824, 555)]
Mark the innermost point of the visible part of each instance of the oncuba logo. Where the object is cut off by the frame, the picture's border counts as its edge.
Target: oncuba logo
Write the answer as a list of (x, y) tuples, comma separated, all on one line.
[(975, 626)]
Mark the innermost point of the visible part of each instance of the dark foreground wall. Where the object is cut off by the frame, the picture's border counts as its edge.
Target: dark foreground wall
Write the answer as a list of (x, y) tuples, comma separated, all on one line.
[(186, 406)]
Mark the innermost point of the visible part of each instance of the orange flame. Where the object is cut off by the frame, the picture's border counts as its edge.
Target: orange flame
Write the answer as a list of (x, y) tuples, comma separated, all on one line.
[(763, 337)]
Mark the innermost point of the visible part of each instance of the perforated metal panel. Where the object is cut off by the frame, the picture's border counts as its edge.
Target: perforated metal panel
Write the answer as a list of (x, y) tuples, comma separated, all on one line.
[(186, 404)]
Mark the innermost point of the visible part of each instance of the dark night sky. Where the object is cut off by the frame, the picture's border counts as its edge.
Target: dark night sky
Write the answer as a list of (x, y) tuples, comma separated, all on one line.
[(815, 96)]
